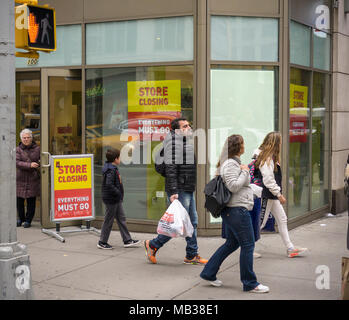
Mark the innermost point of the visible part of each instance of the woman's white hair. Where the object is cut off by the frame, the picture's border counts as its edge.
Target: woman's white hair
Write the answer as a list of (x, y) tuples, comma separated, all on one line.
[(26, 131)]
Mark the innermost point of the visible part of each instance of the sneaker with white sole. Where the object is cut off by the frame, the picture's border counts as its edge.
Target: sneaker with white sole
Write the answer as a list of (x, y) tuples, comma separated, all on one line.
[(104, 245), (216, 283), (295, 252), (131, 243), (260, 289)]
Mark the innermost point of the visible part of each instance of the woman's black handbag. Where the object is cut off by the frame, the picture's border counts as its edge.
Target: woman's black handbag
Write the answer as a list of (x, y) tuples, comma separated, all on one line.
[(217, 196)]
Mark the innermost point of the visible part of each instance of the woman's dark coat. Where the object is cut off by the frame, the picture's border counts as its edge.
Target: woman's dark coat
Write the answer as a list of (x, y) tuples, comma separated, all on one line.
[(28, 179)]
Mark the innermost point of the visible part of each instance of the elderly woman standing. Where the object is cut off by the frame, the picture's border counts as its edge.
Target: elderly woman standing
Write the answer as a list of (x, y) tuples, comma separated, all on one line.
[(28, 177)]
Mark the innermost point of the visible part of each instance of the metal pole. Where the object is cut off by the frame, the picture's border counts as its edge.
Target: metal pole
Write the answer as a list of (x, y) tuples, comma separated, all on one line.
[(15, 275)]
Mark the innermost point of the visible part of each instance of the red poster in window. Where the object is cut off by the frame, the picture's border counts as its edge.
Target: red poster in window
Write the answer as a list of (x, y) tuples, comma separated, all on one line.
[(152, 126)]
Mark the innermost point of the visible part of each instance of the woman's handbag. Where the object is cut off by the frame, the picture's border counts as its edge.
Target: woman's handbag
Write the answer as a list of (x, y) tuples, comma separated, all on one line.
[(217, 196)]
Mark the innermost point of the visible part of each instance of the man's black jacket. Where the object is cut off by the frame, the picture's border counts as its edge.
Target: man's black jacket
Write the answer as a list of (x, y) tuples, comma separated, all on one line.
[(180, 163)]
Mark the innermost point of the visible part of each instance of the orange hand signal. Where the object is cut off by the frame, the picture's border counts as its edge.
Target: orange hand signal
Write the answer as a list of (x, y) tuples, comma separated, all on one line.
[(33, 28)]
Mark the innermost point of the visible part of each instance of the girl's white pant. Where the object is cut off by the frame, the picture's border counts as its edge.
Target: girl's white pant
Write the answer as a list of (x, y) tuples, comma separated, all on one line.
[(276, 209)]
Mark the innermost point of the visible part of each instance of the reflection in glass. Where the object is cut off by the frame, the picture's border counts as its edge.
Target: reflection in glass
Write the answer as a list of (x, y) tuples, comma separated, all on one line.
[(244, 38), (148, 40), (243, 101), (299, 173), (28, 107), (68, 52), (322, 50), (320, 139), (65, 115), (111, 109), (299, 44)]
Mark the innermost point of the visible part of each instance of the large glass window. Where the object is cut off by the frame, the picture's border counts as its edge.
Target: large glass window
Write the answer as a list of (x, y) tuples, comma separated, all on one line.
[(244, 39), (322, 50), (299, 173), (28, 107), (68, 51), (308, 184), (300, 36), (150, 40), (143, 101), (320, 139), (243, 101)]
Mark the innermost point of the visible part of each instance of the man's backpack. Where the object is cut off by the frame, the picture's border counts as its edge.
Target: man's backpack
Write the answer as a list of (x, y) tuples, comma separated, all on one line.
[(255, 174), (160, 166)]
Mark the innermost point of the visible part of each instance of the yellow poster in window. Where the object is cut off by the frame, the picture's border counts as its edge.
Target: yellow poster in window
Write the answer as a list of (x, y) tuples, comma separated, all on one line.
[(298, 99), (154, 96)]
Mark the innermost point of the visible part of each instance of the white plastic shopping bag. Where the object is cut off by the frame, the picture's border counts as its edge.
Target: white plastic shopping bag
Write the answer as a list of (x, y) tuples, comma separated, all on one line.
[(175, 222), (188, 228)]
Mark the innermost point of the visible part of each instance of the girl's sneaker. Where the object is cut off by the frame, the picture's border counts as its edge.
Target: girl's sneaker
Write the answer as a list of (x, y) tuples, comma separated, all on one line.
[(296, 252)]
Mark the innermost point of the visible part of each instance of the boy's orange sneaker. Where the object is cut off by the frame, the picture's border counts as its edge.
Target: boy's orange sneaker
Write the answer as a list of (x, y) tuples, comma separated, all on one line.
[(196, 260), (149, 252)]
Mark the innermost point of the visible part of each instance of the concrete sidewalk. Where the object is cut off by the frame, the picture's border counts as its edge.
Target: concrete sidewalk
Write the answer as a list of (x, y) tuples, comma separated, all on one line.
[(77, 269)]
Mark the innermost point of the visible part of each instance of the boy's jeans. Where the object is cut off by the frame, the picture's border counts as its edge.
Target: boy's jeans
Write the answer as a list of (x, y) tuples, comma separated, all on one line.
[(239, 233), (188, 201)]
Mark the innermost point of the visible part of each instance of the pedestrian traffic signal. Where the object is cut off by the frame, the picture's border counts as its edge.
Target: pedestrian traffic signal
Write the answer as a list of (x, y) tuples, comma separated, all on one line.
[(35, 28)]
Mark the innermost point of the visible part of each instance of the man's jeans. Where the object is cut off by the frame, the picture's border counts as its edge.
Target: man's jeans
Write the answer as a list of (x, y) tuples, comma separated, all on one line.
[(188, 201), (239, 233)]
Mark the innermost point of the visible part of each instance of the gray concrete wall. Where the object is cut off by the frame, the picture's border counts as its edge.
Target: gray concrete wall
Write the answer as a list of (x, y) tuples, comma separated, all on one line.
[(340, 106)]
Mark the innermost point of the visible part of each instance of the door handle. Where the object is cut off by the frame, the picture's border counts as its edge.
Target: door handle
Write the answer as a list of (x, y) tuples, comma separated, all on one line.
[(49, 159)]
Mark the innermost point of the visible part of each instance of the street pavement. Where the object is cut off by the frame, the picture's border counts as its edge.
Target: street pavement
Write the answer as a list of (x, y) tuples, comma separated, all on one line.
[(78, 270)]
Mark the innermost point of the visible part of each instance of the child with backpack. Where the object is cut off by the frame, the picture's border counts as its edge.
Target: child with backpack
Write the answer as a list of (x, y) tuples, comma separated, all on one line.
[(112, 195)]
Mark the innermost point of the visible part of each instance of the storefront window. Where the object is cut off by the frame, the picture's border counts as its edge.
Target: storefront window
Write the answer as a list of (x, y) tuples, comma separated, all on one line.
[(299, 173), (243, 101), (149, 40), (244, 39), (142, 101), (28, 107), (320, 139), (65, 115), (68, 51), (300, 44), (322, 50)]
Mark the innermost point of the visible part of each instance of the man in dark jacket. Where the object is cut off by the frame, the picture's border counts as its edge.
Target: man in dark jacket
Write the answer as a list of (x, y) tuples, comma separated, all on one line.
[(113, 195), (180, 183)]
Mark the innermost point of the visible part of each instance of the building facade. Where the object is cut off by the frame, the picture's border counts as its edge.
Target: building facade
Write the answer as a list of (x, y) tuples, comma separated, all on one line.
[(244, 66)]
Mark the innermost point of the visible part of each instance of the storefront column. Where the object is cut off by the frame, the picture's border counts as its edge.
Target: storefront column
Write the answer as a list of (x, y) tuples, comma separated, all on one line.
[(201, 76)]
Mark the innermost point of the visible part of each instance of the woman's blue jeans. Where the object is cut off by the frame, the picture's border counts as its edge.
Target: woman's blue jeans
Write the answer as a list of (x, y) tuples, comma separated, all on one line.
[(239, 233), (188, 201)]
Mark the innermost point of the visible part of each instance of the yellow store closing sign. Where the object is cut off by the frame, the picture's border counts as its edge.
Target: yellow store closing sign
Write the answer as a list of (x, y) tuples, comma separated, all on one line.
[(72, 187), (298, 99), (154, 96)]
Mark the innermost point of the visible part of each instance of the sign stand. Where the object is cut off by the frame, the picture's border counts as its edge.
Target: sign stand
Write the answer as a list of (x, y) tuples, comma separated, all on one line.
[(57, 234), (72, 193)]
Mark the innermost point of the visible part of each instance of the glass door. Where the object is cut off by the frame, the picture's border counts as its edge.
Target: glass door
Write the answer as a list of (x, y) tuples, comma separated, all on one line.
[(61, 125)]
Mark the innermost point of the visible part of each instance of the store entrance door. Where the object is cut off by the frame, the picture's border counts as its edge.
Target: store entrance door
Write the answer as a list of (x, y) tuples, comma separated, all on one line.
[(61, 126)]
